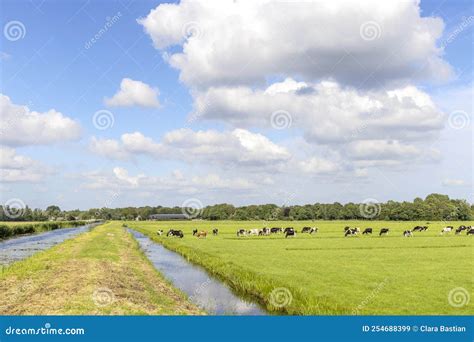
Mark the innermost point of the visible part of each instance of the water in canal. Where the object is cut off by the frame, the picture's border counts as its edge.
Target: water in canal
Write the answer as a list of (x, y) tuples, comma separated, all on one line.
[(22, 247), (204, 290)]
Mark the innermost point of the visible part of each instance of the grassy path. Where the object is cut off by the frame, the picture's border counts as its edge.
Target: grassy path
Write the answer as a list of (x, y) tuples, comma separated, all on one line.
[(99, 272)]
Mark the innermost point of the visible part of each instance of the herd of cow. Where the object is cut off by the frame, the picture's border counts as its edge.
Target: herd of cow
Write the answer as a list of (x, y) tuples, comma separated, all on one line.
[(348, 231), (290, 231)]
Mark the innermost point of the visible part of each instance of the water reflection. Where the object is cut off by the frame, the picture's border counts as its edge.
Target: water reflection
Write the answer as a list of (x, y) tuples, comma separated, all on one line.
[(19, 248), (204, 290)]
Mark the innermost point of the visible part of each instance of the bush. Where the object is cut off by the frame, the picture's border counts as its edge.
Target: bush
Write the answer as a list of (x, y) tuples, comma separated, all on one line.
[(5, 231)]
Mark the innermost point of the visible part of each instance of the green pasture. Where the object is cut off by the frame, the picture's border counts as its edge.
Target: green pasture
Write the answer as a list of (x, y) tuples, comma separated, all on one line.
[(327, 273)]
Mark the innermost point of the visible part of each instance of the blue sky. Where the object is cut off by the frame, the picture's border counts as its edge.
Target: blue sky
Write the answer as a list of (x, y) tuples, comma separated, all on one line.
[(186, 55)]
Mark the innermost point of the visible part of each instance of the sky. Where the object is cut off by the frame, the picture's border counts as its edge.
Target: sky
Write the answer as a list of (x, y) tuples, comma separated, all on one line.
[(137, 102)]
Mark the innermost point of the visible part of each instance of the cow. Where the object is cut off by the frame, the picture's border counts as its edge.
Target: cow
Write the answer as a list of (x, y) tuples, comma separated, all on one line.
[(215, 231), (241, 232), (160, 232), (425, 228), (407, 233), (352, 232), (384, 231), (201, 234), (195, 231), (264, 232), (276, 230), (367, 231), (446, 229), (253, 232), (314, 230), (287, 229), (306, 230), (175, 232), (470, 231), (289, 232), (418, 229)]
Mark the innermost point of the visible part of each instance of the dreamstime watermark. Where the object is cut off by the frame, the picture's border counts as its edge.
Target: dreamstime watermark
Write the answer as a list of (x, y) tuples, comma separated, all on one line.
[(370, 208), (103, 119), (281, 119), (465, 23), (46, 330), (103, 296), (192, 208), (370, 30), (109, 22), (458, 297), (14, 208), (370, 297), (192, 29), (14, 30), (280, 297), (459, 119)]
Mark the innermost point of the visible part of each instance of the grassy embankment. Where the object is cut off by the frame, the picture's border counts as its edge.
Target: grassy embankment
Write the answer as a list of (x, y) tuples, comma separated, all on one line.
[(12, 229), (328, 273), (99, 272)]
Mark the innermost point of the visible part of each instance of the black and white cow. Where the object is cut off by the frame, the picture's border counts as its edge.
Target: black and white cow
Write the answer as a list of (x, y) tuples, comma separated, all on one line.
[(276, 230), (290, 232), (305, 230), (352, 232), (384, 231), (418, 229), (253, 232), (314, 230), (175, 232), (195, 231), (241, 232), (215, 231), (367, 231), (447, 229), (407, 233)]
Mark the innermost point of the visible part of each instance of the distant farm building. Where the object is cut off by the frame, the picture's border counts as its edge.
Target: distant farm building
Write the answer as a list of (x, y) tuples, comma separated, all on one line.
[(163, 217)]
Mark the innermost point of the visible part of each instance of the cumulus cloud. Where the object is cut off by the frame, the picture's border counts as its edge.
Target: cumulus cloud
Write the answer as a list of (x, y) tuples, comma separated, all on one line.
[(21, 126), (325, 111), (134, 93), (18, 168), (177, 182), (238, 146), (363, 43)]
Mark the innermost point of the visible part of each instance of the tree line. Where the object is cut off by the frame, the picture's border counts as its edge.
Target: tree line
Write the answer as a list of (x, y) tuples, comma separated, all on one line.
[(435, 207)]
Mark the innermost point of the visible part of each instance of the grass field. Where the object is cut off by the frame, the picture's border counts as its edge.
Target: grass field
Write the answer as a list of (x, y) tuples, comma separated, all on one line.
[(328, 273), (99, 272)]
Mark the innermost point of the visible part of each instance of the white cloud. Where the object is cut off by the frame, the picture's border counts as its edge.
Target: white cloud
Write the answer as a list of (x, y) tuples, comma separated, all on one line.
[(134, 93), (454, 182), (318, 166), (238, 147), (120, 179), (325, 111), (244, 42), (20, 126), (18, 168)]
